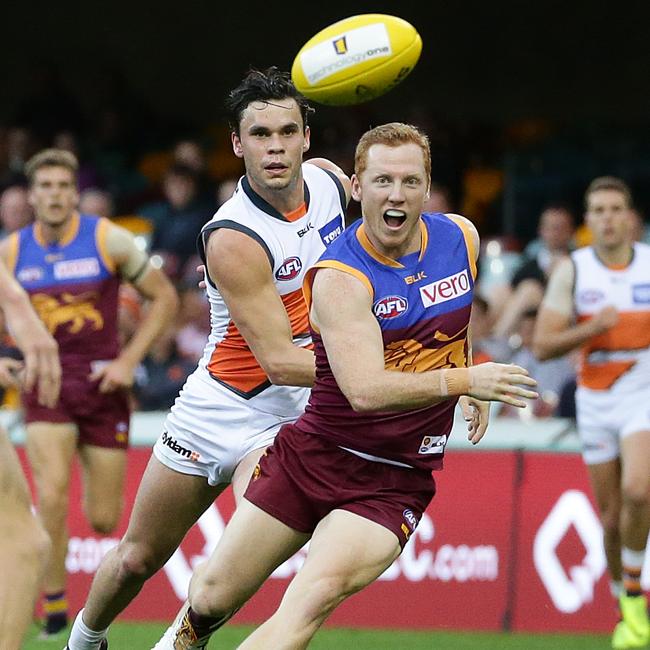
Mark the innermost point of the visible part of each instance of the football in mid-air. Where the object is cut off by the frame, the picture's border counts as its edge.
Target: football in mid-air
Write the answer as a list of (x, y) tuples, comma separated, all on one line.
[(356, 59)]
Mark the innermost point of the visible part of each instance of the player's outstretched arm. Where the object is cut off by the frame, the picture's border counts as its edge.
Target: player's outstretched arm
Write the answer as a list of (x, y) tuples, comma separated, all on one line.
[(342, 311), (134, 266), (242, 272), (555, 333), (41, 366)]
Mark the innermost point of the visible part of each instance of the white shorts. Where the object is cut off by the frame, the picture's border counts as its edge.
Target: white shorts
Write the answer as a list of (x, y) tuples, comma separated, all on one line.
[(604, 418), (210, 429)]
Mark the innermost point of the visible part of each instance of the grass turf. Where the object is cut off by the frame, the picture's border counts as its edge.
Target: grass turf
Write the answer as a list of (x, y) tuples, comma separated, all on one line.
[(142, 636)]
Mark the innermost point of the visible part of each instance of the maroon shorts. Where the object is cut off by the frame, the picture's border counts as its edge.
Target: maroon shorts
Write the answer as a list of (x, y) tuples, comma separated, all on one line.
[(102, 419), (303, 477)]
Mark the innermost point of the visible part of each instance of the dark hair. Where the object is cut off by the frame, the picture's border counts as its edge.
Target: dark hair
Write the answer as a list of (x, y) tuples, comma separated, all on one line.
[(260, 86)]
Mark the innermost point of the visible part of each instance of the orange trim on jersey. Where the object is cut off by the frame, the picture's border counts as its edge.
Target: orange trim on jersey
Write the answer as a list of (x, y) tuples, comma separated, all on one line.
[(366, 244), (298, 213), (469, 241), (12, 252), (631, 332), (72, 228), (232, 361), (331, 264), (101, 239)]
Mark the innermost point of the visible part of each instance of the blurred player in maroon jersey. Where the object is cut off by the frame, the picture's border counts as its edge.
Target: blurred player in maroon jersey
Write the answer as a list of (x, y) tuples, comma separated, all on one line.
[(71, 265), (24, 544)]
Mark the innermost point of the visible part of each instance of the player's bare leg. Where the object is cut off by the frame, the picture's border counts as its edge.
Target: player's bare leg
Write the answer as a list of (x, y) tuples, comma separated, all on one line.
[(24, 550), (104, 471), (346, 553), (51, 448), (606, 485), (243, 472), (237, 567), (634, 630)]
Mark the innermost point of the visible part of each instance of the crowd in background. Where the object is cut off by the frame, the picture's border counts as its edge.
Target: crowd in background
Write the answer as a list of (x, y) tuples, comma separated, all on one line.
[(163, 185)]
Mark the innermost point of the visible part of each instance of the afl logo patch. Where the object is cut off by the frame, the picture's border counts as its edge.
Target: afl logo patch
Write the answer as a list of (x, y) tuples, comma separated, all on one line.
[(289, 269), (390, 307)]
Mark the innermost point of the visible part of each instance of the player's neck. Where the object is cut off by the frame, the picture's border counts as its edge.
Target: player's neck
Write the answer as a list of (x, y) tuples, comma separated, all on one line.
[(285, 200), (55, 233), (619, 256)]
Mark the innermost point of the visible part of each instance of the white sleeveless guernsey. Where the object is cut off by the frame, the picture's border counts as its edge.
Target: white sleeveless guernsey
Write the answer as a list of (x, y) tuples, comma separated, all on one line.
[(228, 407)]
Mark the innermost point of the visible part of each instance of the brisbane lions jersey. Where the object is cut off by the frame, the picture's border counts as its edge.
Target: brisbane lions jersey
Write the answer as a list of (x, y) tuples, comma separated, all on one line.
[(422, 304), (292, 243), (618, 359), (73, 287)]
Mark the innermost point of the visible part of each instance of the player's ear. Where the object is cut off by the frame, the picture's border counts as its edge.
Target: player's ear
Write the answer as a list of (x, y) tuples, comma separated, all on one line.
[(307, 142), (356, 188), (236, 145)]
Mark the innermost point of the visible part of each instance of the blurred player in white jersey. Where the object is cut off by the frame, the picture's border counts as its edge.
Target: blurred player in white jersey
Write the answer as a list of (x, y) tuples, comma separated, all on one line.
[(258, 365), (599, 300), (24, 544)]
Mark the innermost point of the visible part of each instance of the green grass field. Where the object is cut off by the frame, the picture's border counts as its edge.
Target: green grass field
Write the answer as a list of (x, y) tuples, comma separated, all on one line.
[(130, 636)]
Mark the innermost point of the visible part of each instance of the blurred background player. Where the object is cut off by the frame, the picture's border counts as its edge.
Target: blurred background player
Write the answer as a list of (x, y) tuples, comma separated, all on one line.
[(24, 544), (258, 364), (71, 264), (599, 300)]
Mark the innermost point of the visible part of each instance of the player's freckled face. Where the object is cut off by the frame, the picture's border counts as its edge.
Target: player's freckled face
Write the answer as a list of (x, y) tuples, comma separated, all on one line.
[(53, 195), (272, 143), (392, 187)]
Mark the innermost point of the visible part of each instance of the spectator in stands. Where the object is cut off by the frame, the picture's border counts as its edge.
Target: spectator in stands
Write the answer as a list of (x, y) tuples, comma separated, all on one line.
[(178, 220), (193, 317), (485, 346), (97, 202), (552, 376), (15, 211), (555, 230), (162, 374), (439, 199)]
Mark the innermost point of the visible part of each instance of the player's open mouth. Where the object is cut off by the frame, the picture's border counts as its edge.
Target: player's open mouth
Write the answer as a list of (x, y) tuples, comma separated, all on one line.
[(394, 218)]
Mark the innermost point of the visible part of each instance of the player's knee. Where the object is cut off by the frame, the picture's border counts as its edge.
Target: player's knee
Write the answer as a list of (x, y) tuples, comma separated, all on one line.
[(136, 561), (322, 596), (635, 494), (211, 599), (103, 523)]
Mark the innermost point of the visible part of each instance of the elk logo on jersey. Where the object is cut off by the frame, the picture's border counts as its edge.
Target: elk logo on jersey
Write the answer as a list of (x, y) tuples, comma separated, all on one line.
[(331, 230), (289, 269), (390, 307)]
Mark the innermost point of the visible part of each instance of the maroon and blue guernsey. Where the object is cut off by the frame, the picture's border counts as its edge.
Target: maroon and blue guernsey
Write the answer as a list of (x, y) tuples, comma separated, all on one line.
[(422, 303), (73, 287)]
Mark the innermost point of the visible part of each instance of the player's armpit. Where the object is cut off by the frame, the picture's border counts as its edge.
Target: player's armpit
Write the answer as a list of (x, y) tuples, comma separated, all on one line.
[(240, 269)]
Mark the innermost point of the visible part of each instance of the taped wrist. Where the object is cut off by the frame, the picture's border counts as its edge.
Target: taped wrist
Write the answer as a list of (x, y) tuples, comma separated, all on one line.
[(455, 381)]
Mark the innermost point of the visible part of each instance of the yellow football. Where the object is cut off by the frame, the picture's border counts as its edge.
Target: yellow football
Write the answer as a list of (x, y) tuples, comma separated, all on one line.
[(356, 59)]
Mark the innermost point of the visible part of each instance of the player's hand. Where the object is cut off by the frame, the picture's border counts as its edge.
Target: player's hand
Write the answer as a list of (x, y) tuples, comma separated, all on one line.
[(10, 370), (477, 415), (501, 382), (42, 368), (114, 375), (605, 319), (200, 269)]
